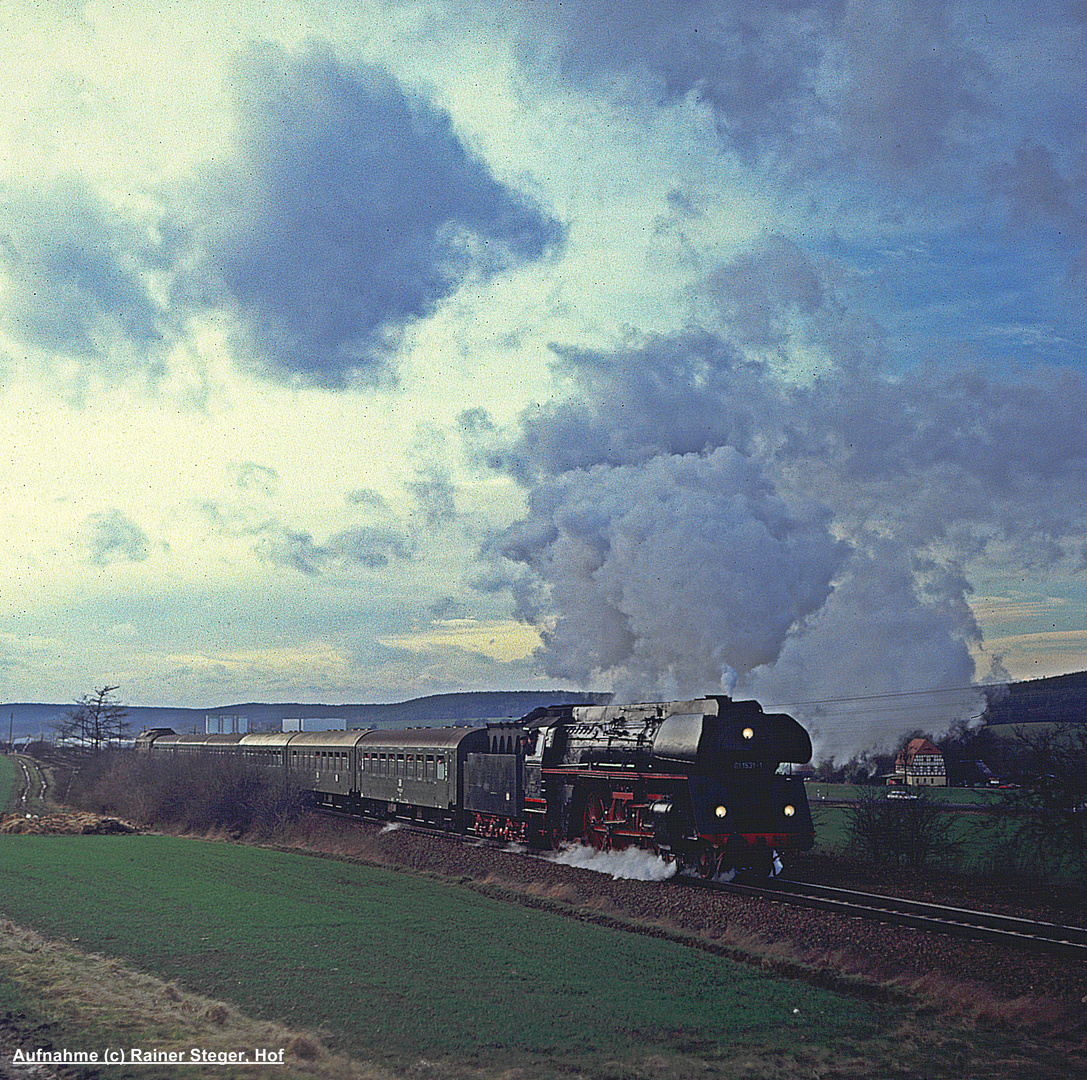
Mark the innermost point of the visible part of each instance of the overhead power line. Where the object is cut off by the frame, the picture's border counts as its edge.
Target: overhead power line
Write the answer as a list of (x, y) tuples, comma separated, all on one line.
[(978, 688)]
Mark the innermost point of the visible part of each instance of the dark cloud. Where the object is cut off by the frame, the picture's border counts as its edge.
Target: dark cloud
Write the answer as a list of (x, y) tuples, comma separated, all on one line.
[(448, 607), (755, 63), (350, 210), (368, 498), (1040, 186), (756, 294), (77, 271), (677, 394), (435, 494), (863, 103), (112, 537), (913, 88), (369, 548)]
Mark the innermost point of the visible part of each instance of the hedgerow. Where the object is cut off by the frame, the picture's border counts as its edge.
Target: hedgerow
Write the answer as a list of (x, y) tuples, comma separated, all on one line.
[(188, 792)]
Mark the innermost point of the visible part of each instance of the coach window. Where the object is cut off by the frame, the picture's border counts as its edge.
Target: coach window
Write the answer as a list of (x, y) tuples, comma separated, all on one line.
[(441, 768)]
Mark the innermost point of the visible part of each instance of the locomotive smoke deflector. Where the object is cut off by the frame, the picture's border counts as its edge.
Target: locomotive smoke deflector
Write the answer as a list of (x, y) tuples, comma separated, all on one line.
[(677, 739)]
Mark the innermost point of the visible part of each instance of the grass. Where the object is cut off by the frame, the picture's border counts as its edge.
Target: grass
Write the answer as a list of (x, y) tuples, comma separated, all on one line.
[(967, 797), (401, 969), (987, 846), (58, 998), (8, 789)]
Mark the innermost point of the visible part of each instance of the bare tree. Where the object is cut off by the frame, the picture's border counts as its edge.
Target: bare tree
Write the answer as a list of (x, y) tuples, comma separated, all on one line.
[(1048, 812), (912, 834), (96, 718)]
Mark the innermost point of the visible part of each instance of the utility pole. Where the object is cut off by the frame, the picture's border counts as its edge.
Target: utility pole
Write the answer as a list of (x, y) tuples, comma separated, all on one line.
[(11, 734)]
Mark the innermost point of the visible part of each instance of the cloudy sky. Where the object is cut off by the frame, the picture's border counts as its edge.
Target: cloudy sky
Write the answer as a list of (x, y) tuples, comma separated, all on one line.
[(360, 352)]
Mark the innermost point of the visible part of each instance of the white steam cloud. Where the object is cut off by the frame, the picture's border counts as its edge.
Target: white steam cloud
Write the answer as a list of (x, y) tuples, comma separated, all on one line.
[(699, 517), (632, 863), (648, 565)]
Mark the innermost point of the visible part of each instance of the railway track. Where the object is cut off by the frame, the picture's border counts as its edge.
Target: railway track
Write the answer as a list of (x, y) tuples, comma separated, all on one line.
[(1006, 930), (1069, 941), (30, 800)]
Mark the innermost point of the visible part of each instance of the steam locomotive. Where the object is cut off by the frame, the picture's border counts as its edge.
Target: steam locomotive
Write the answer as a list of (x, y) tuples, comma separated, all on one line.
[(698, 781)]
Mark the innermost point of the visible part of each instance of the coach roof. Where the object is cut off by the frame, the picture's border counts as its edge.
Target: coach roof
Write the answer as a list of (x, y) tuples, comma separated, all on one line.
[(439, 738)]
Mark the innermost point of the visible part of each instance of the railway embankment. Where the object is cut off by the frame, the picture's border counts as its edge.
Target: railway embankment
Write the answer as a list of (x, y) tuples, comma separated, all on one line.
[(976, 977)]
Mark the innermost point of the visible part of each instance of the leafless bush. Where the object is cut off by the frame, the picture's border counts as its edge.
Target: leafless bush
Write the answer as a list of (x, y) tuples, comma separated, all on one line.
[(191, 792), (911, 833), (1048, 812)]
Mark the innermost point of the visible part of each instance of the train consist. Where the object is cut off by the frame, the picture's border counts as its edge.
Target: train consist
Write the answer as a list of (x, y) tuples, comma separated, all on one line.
[(699, 781)]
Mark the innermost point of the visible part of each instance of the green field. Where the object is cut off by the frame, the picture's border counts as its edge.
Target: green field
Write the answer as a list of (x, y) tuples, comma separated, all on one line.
[(986, 844), (8, 790), (979, 797), (397, 968)]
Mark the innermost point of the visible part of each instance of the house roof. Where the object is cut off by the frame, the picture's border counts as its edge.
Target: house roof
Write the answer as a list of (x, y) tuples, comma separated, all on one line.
[(915, 747)]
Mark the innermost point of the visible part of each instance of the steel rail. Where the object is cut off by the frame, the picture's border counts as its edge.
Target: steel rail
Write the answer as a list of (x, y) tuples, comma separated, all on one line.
[(938, 918)]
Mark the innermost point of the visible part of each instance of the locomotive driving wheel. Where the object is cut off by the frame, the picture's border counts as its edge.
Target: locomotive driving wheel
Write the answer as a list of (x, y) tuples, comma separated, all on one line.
[(707, 861), (596, 827)]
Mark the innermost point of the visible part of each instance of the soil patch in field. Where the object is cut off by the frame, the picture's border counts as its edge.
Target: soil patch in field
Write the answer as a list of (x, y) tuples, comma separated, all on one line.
[(65, 824)]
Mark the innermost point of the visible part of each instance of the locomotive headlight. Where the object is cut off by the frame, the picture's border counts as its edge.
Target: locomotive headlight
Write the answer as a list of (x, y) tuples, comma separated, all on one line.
[(748, 733), (789, 811), (721, 811)]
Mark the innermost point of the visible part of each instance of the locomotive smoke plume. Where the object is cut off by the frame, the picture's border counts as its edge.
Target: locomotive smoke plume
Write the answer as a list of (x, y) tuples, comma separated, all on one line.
[(648, 564), (703, 514)]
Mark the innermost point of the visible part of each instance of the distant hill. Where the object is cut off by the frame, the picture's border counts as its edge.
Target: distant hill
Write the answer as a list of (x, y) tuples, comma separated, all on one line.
[(1059, 699), (32, 719)]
